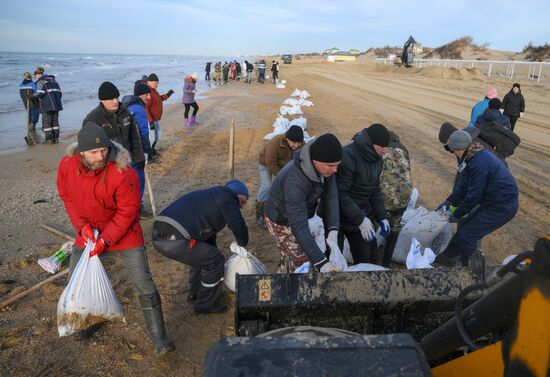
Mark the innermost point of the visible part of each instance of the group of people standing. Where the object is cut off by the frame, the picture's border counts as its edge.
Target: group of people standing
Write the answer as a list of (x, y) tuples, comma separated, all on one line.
[(233, 71), (41, 94)]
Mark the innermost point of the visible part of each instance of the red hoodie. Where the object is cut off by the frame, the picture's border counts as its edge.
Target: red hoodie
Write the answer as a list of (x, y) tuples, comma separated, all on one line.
[(154, 106), (108, 199)]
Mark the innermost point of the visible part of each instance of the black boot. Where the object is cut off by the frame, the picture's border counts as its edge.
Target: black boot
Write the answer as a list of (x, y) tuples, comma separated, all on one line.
[(152, 312), (260, 215), (388, 250), (144, 213)]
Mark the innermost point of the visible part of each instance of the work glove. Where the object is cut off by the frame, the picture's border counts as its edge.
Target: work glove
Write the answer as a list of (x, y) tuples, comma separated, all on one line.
[(146, 155), (140, 165), (170, 92), (99, 248), (87, 232), (452, 208), (521, 115), (444, 204), (152, 125), (329, 267), (384, 228), (367, 229), (332, 237)]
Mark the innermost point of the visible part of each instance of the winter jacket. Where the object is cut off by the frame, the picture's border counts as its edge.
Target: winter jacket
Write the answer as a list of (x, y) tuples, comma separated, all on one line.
[(199, 215), (188, 92), (502, 141), (136, 107), (120, 127), (513, 104), (358, 180), (478, 109), (208, 65), (274, 67), (296, 193), (218, 67), (154, 106), (108, 199), (239, 69), (275, 154), (249, 67), (485, 180), (395, 181), (492, 116), (49, 94), (27, 89)]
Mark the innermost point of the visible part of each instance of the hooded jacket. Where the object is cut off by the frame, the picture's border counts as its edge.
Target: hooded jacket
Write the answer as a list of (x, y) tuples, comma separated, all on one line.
[(358, 180), (295, 195), (513, 104), (199, 215), (154, 106), (108, 199), (188, 91), (275, 154), (49, 94), (120, 127), (484, 180), (477, 110), (502, 141), (492, 116), (136, 107)]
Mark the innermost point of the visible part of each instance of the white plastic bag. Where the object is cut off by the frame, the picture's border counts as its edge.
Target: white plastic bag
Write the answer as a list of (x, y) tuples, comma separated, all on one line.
[(346, 251), (281, 123), (410, 214), (413, 198), (291, 110), (366, 267), (242, 263), (280, 85), (317, 230), (295, 93), (290, 101), (336, 257), (304, 94), (304, 102), (301, 121), (88, 298), (425, 228), (418, 259)]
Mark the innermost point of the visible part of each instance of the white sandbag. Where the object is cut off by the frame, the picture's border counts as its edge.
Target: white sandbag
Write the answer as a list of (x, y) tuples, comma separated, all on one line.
[(418, 259), (301, 121), (410, 213), (366, 267), (425, 228), (346, 251), (303, 269), (441, 241), (281, 123), (317, 230), (291, 110), (271, 135), (290, 101), (296, 93), (242, 263), (304, 102), (307, 137), (336, 257), (88, 298), (280, 85), (304, 94), (413, 199)]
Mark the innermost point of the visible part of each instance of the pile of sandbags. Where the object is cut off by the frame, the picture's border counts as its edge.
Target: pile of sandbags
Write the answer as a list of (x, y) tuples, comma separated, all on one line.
[(291, 106)]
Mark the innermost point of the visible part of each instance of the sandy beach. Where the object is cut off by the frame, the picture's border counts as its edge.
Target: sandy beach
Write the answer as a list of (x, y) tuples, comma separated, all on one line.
[(347, 98)]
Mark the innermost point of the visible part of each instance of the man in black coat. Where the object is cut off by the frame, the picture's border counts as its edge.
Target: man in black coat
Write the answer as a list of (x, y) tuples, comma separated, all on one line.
[(117, 122), (305, 183), (514, 104), (361, 201), (186, 232)]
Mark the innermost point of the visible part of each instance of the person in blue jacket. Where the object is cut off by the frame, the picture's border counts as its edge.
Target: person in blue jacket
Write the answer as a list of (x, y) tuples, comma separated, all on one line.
[(481, 106), (186, 232), (135, 104), (27, 89), (493, 116), (49, 94), (483, 200)]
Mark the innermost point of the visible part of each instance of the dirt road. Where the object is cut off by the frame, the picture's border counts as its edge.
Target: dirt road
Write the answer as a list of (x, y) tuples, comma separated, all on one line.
[(347, 98)]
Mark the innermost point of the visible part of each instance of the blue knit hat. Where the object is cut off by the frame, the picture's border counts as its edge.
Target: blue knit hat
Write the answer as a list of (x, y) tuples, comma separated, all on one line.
[(237, 187)]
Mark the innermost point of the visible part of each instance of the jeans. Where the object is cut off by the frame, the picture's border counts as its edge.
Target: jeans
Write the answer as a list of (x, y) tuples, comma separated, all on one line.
[(248, 77), (34, 113), (265, 183), (141, 175), (136, 263)]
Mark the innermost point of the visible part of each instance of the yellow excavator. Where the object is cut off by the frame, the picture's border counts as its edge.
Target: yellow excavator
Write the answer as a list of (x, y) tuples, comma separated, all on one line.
[(438, 322)]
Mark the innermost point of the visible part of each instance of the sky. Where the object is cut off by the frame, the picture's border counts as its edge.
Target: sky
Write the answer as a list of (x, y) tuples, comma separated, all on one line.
[(241, 27)]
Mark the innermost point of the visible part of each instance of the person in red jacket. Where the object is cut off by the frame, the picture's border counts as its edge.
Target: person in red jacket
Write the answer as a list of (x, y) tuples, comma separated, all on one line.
[(154, 108), (100, 190)]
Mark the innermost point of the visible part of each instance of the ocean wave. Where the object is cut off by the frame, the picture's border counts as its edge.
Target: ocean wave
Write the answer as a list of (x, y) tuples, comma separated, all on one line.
[(4, 83)]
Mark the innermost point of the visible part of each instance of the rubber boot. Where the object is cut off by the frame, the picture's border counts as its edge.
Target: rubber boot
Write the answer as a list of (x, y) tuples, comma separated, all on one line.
[(388, 250), (152, 312), (260, 215), (187, 122), (194, 121)]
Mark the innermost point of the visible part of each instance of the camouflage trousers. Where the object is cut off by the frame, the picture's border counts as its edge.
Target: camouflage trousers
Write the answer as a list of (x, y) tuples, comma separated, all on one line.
[(292, 254), (395, 218)]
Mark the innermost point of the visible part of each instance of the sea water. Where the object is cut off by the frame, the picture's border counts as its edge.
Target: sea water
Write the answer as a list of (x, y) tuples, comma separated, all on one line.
[(80, 75)]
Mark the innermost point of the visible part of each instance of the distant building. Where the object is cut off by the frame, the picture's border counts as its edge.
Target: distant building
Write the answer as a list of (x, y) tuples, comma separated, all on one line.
[(331, 51), (341, 56), (354, 51)]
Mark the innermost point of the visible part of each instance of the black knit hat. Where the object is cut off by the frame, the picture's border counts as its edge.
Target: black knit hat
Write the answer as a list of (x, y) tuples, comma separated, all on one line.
[(379, 135), (141, 88), (326, 148), (107, 91), (445, 132), (153, 77), (494, 104), (91, 136), (516, 85), (295, 133)]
